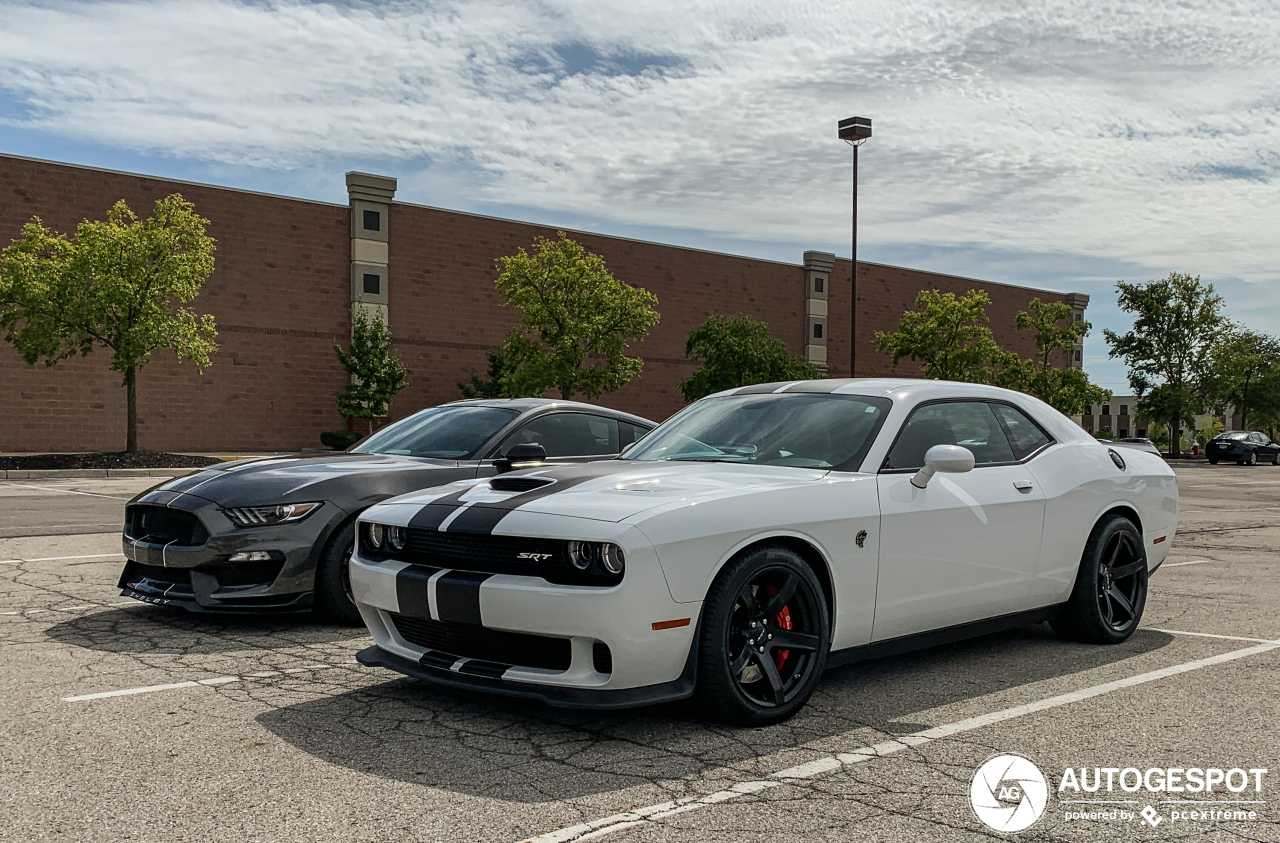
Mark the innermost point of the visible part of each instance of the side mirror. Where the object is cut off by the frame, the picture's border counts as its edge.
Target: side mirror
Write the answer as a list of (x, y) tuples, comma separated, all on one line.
[(951, 459), (528, 453)]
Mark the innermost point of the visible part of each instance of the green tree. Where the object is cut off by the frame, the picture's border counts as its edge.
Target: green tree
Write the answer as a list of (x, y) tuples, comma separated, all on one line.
[(491, 385), (376, 373), (118, 284), (1177, 323), (949, 337), (1242, 372), (738, 351), (577, 321), (1065, 388)]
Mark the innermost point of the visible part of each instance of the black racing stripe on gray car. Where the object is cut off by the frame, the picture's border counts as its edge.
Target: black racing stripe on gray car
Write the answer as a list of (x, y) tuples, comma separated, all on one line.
[(458, 596), (432, 515), (411, 590), (475, 667), (482, 518)]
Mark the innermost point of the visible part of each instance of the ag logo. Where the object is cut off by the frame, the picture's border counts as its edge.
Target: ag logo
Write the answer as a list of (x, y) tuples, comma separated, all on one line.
[(1008, 793)]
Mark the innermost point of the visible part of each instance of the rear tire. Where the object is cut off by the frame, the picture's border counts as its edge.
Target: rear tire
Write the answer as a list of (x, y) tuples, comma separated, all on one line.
[(1111, 586), (764, 638), (333, 579), (1213, 460)]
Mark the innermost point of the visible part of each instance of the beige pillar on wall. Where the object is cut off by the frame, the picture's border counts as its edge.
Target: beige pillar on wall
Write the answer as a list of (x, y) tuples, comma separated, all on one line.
[(817, 280), (370, 197), (1078, 302)]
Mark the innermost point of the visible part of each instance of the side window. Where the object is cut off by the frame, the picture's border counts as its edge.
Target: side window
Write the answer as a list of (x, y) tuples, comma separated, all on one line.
[(968, 423), (568, 435), (1025, 436), (628, 434)]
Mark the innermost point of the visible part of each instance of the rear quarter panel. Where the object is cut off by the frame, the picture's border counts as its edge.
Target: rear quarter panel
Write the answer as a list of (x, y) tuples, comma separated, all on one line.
[(1081, 484)]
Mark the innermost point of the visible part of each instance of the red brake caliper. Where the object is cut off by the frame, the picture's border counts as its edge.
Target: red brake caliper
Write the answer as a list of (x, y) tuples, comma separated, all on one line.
[(784, 622)]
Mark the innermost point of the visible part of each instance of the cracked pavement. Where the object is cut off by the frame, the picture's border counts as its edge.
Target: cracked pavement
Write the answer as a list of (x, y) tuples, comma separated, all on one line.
[(320, 747)]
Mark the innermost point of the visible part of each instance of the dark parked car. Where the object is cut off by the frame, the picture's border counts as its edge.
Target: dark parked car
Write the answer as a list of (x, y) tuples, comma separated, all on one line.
[(276, 534), (1245, 447)]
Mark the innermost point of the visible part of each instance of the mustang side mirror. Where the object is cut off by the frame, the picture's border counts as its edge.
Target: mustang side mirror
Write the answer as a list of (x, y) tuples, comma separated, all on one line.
[(529, 453), (951, 459)]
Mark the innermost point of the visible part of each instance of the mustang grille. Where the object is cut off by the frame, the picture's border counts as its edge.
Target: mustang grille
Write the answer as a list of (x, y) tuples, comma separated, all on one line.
[(163, 525), (491, 645)]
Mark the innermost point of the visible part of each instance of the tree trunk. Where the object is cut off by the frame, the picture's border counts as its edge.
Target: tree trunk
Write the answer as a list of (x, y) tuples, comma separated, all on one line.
[(1175, 439), (131, 411)]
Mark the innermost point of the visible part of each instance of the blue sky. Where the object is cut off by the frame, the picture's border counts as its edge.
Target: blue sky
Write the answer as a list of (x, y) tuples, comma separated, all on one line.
[(1063, 145)]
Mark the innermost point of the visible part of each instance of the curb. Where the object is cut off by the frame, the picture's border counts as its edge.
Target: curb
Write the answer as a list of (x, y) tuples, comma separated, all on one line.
[(100, 473)]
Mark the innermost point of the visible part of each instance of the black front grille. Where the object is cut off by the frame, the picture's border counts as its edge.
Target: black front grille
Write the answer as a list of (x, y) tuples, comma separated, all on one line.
[(546, 558), (163, 525), (490, 645), (248, 573), (170, 576)]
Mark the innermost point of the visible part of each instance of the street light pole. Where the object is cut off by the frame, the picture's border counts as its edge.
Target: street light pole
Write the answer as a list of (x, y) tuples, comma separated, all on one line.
[(854, 131)]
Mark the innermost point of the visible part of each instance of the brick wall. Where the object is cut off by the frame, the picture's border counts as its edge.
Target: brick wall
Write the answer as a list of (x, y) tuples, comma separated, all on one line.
[(281, 298)]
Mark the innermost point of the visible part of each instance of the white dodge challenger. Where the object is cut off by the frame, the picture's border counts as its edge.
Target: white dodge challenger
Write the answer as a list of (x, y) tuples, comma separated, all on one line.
[(760, 536)]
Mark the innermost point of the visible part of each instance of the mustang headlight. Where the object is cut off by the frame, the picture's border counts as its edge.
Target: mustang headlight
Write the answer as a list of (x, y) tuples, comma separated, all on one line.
[(262, 516), (582, 555)]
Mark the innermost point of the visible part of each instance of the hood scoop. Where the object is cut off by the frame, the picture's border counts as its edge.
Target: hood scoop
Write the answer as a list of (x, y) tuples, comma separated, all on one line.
[(518, 484)]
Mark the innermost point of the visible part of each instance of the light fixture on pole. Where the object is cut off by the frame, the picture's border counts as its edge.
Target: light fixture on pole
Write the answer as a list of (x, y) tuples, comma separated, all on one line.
[(854, 131)]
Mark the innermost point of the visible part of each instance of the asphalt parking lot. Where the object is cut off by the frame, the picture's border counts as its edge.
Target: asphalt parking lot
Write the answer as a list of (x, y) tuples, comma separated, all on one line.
[(123, 721)]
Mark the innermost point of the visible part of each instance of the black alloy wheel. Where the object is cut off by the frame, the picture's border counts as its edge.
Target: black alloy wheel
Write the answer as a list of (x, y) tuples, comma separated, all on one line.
[(1111, 586), (764, 638), (1121, 582)]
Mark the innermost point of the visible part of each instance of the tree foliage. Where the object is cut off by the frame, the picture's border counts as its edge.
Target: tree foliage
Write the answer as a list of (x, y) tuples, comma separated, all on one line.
[(376, 373), (1067, 389), (492, 385), (948, 336), (738, 351), (577, 321), (1177, 323), (117, 284), (1244, 372)]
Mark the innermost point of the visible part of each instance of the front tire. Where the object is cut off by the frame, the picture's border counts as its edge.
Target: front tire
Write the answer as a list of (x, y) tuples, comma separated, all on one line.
[(1213, 460), (764, 638), (1111, 586), (333, 579)]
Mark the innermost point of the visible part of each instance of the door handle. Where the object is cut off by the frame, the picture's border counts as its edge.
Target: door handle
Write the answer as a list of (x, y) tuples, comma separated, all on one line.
[(1022, 485)]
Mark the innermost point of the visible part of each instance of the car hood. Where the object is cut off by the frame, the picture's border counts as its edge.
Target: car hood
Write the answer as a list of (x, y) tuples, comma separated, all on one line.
[(345, 479), (612, 490)]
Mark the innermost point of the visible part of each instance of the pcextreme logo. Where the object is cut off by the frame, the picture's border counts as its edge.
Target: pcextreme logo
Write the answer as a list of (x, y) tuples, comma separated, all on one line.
[(1008, 793)]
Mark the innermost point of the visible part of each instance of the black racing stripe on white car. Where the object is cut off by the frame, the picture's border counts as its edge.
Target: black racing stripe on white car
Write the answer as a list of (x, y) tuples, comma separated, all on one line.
[(482, 518), (475, 667), (434, 658), (433, 514), (411, 590), (458, 596)]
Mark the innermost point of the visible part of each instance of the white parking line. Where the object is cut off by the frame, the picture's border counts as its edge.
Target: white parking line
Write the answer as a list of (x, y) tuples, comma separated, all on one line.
[(68, 491), (1180, 564), (217, 680), (617, 822), (60, 558)]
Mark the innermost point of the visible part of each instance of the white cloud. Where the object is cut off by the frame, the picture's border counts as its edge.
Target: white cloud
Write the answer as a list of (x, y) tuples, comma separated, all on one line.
[(1144, 133)]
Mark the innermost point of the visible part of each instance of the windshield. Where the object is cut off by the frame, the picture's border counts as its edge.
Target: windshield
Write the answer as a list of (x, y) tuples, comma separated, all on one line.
[(1236, 436), (805, 430), (448, 433)]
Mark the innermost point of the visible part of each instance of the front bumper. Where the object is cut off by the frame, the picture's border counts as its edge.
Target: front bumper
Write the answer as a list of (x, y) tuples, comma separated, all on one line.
[(571, 646), (198, 577)]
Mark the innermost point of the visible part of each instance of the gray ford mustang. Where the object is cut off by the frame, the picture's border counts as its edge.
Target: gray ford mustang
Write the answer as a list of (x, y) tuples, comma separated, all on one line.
[(276, 534)]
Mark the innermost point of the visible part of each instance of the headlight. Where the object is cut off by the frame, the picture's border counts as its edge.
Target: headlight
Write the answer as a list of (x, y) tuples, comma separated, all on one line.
[(376, 534), (262, 516), (395, 538), (582, 555)]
